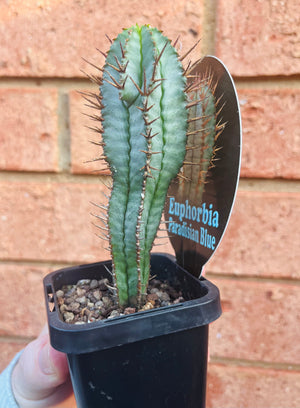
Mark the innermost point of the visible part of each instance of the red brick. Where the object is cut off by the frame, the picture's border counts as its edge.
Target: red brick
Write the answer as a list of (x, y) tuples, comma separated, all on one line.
[(8, 349), (259, 37), (250, 387), (271, 133), (23, 311), (260, 322), (262, 238), (28, 133), (46, 221), (82, 150), (49, 38), (49, 221)]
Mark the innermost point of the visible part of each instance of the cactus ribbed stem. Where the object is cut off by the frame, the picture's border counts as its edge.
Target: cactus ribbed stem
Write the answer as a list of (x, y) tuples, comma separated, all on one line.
[(144, 135)]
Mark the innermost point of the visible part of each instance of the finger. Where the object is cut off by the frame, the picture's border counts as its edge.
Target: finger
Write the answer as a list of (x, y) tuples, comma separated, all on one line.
[(40, 373)]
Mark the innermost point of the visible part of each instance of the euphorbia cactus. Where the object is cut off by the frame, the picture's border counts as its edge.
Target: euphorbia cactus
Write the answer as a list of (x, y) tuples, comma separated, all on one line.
[(203, 131), (144, 115)]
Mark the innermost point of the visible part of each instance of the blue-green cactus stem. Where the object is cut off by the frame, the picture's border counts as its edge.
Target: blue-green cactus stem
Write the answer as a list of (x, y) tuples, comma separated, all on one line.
[(201, 140), (144, 133)]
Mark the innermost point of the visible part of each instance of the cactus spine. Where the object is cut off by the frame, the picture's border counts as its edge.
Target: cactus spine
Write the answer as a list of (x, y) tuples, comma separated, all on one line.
[(202, 134)]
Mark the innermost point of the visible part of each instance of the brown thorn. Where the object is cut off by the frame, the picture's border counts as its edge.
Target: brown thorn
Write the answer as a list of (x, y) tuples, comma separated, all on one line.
[(157, 60), (108, 38), (102, 236), (194, 132), (153, 89), (192, 66), (153, 168), (122, 50), (137, 87), (159, 80), (99, 226), (194, 103), (97, 104), (96, 159), (143, 109), (103, 53), (102, 219), (86, 94), (152, 121), (114, 67), (103, 207), (149, 136), (96, 118), (95, 129), (199, 118), (111, 83), (93, 78), (185, 72), (193, 147), (184, 178), (189, 51), (112, 78), (101, 144), (220, 110), (176, 41), (92, 65), (147, 152), (93, 106)]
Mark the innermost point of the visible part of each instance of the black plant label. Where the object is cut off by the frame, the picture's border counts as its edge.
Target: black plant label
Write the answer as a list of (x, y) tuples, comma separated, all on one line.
[(200, 199)]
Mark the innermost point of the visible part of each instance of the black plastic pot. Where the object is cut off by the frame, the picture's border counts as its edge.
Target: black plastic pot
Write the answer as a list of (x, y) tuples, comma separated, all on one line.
[(156, 358)]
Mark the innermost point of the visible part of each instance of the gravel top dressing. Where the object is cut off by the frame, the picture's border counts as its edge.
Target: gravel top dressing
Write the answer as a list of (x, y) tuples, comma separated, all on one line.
[(92, 300)]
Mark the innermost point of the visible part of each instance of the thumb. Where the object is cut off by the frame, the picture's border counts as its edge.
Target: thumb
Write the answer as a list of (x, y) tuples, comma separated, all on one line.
[(40, 373)]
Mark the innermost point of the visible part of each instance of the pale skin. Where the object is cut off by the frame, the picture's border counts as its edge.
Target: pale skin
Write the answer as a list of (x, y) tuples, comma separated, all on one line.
[(41, 379)]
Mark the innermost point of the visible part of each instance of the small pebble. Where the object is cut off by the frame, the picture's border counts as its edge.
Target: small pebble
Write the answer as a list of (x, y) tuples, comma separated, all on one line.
[(97, 294), (69, 300), (80, 292), (60, 301), (152, 297), (107, 302), (82, 300), (99, 304), (103, 284), (63, 308), (154, 290), (68, 317), (83, 282), (178, 300), (164, 297), (60, 293), (129, 310), (94, 284), (147, 306), (73, 306), (114, 313)]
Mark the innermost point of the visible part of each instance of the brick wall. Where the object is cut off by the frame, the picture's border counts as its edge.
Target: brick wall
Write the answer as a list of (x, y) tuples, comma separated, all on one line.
[(46, 188)]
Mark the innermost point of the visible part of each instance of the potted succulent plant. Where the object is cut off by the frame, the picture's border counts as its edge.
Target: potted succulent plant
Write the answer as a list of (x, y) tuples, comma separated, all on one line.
[(152, 114)]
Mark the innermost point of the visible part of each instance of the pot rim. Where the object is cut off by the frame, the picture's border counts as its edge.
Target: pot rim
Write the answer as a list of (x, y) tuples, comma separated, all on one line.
[(89, 337)]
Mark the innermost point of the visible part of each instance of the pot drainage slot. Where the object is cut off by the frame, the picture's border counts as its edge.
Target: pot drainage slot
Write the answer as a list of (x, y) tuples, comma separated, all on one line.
[(50, 298)]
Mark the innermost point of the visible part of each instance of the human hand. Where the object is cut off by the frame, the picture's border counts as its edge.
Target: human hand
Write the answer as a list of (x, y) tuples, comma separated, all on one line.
[(41, 379)]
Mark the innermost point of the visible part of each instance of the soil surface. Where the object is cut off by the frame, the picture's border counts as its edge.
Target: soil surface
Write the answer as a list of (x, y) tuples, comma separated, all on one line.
[(92, 300)]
